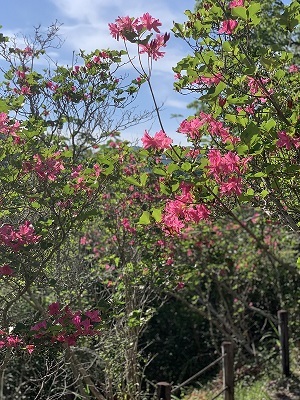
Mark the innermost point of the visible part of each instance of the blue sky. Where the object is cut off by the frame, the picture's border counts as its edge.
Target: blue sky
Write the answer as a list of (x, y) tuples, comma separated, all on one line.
[(85, 27)]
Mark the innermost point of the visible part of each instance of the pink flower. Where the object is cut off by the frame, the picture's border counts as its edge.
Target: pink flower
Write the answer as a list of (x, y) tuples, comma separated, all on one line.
[(293, 68), (97, 170), (86, 324), (191, 127), (149, 23), (211, 80), (39, 326), (160, 141), (20, 74), (76, 69), (15, 239), (5, 270), (28, 51), (49, 168), (54, 308), (236, 3), (183, 210), (232, 186), (77, 320), (25, 90), (287, 141), (30, 348), (228, 26), (93, 315), (122, 26), (153, 47), (180, 285), (13, 341)]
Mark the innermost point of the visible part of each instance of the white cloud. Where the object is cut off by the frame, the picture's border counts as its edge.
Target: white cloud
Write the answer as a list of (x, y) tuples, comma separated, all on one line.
[(176, 104)]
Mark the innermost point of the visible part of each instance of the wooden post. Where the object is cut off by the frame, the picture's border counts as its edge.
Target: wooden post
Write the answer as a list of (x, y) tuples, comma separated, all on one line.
[(228, 370), (284, 341), (164, 391)]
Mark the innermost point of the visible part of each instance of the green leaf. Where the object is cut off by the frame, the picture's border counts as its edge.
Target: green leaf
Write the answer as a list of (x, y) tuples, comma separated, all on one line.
[(249, 132), (239, 12), (143, 178), (264, 193), (172, 167), (159, 171), (226, 47), (132, 181), (186, 166), (164, 189), (156, 214), (144, 218)]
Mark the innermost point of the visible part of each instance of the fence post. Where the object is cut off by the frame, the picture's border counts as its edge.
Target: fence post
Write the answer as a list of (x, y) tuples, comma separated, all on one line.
[(284, 341), (164, 391), (228, 370)]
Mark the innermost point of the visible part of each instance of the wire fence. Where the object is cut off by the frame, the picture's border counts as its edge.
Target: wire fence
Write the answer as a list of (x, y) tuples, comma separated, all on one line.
[(165, 390)]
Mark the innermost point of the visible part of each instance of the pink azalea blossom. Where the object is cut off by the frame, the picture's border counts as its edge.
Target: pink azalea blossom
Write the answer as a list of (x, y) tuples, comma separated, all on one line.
[(28, 51), (13, 341), (160, 141), (54, 308), (122, 26), (39, 326), (284, 140), (236, 3), (149, 23), (30, 348), (49, 168), (228, 26), (182, 211), (153, 48), (293, 68), (192, 127), (93, 315), (210, 80), (5, 270), (232, 186), (15, 239), (21, 74)]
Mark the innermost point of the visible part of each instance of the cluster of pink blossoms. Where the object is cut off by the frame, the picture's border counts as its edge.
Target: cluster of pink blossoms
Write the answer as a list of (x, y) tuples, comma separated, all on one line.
[(46, 169), (228, 26), (132, 29), (9, 128), (255, 87), (192, 127), (6, 270), (209, 80), (227, 171), (183, 210), (159, 141), (16, 239), (69, 325), (293, 68), (9, 341), (236, 3), (287, 141)]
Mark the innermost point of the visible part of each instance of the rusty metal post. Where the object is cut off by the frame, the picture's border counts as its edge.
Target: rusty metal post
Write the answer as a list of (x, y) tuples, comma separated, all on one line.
[(284, 341), (164, 391), (228, 370)]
